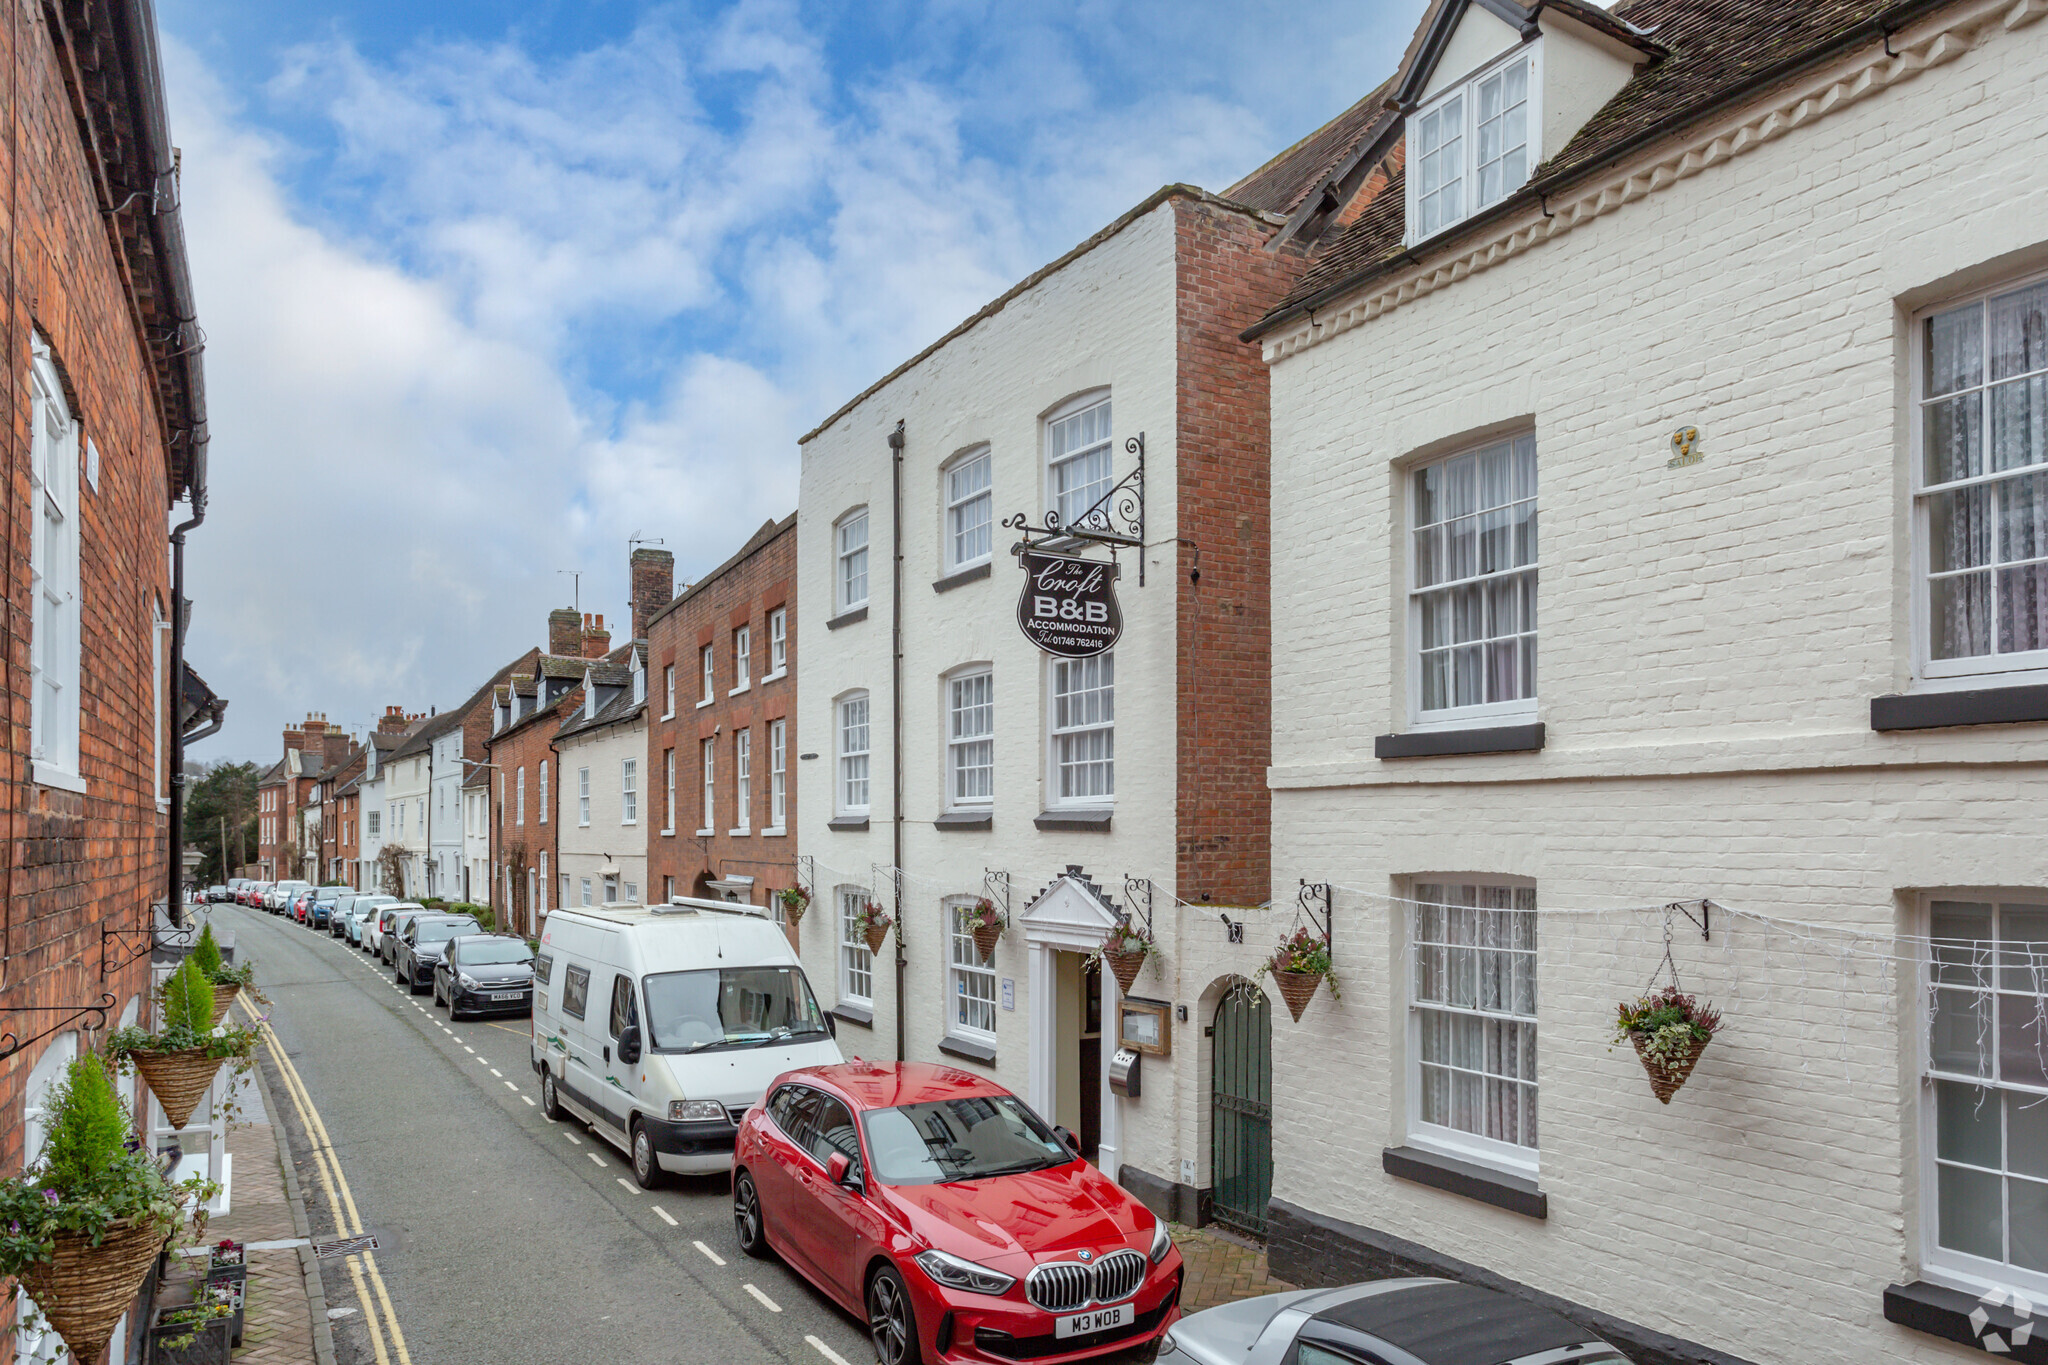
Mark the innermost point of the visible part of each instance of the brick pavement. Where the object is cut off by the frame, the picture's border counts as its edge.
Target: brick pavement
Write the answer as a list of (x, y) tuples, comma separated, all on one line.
[(1221, 1268)]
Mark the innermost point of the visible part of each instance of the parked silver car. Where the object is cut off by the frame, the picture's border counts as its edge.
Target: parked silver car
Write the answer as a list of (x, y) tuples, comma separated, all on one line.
[(1414, 1322)]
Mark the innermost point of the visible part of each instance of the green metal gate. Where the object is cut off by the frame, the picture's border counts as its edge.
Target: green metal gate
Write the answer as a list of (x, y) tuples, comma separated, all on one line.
[(1241, 1110)]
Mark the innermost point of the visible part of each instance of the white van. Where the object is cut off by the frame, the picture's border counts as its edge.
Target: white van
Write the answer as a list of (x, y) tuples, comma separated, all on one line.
[(660, 1027)]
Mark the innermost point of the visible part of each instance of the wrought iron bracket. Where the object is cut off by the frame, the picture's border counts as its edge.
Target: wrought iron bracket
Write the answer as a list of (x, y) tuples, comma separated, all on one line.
[(997, 884), (1138, 891), (1704, 921), (1116, 519), (10, 1044), (895, 879), (807, 874), (1314, 900), (171, 938)]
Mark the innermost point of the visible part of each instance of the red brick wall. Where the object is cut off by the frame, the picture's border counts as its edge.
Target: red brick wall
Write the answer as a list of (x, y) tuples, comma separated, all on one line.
[(1226, 280), (524, 747), (742, 593), (75, 863)]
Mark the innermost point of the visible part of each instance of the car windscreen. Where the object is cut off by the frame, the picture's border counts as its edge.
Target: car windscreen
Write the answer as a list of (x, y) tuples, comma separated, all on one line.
[(964, 1139), (729, 1007), (494, 953), (432, 932)]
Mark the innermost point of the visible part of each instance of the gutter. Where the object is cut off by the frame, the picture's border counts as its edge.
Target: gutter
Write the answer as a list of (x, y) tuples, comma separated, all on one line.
[(1880, 26)]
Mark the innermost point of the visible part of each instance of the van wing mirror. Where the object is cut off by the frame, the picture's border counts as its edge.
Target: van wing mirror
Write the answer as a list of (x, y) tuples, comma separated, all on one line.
[(832, 1025), (629, 1044), (1065, 1134)]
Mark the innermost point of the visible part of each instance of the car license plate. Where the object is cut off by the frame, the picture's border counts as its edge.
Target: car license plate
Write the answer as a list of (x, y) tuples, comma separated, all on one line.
[(1095, 1320), (508, 995)]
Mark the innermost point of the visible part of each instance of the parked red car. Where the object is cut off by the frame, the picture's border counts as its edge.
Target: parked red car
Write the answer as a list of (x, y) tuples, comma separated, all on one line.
[(302, 905), (956, 1221)]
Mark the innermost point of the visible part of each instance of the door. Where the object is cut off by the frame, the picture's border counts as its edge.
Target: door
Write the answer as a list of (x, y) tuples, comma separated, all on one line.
[(1241, 1109), (582, 1074), (622, 1081), (785, 1205), (1089, 1062), (830, 1218)]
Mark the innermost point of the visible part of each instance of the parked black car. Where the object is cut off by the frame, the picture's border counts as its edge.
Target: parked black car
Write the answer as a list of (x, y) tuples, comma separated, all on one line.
[(485, 974), (412, 961)]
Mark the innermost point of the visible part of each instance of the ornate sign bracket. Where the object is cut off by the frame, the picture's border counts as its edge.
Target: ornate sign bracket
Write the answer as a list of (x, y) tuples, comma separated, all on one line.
[(10, 1044), (1138, 891), (1117, 518), (1314, 900)]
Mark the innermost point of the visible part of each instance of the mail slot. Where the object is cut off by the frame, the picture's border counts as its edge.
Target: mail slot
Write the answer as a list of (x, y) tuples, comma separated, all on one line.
[(1123, 1073)]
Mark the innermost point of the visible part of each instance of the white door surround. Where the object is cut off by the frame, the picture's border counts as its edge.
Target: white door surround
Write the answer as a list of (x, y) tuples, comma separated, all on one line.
[(1072, 914)]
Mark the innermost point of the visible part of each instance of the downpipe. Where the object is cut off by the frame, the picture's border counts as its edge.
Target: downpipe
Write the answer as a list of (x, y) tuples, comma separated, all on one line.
[(896, 720)]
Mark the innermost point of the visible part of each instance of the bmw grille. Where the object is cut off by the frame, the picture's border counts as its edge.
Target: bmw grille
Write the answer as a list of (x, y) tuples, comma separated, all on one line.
[(1067, 1286)]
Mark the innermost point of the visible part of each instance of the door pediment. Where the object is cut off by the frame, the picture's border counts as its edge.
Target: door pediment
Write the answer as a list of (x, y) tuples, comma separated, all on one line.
[(1070, 912)]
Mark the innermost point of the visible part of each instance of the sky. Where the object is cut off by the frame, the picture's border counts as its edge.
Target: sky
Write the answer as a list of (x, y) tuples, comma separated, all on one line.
[(492, 289)]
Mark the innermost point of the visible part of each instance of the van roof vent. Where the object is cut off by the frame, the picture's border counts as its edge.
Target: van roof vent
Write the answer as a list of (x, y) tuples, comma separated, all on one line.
[(676, 907)]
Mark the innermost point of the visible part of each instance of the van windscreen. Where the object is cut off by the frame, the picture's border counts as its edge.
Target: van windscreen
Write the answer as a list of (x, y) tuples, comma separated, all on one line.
[(731, 1007)]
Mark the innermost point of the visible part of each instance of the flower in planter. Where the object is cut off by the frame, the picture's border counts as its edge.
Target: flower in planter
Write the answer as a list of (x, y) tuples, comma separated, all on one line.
[(795, 900), (1669, 1029), (873, 924), (1125, 948), (986, 925), (1298, 965)]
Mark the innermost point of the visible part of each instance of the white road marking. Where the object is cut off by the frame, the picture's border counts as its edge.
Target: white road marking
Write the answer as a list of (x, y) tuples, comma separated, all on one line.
[(508, 1084), (827, 1352), (482, 1063), (595, 1157), (766, 1302), (623, 1181), (449, 1031), (572, 1137), (662, 1214), (715, 1258), (495, 1072), (527, 1098), (467, 1048)]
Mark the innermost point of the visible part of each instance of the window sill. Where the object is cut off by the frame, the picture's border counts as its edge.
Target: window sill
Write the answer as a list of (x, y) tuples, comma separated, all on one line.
[(738, 833), (771, 677), (705, 702), (1075, 819), (848, 822), (962, 577), (668, 834), (667, 715), (706, 833), (851, 617), (969, 1048), (743, 687), (965, 819), (853, 1014), (1941, 710), (1492, 739), (1514, 1193), (49, 775), (1945, 1313), (774, 832)]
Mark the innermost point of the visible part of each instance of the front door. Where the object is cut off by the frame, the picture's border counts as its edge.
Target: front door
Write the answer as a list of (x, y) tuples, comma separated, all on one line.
[(1241, 1109), (1089, 1062)]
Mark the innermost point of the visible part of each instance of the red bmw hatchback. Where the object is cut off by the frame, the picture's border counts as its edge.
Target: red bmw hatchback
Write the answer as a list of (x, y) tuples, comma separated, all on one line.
[(947, 1214)]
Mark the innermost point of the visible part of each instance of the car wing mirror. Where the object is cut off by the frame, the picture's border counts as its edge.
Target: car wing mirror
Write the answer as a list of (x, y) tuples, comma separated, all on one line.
[(629, 1044), (840, 1169)]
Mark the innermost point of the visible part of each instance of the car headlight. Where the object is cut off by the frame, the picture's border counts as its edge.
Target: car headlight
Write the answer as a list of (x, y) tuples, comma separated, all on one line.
[(1162, 1242), (955, 1273), (695, 1111), (468, 981)]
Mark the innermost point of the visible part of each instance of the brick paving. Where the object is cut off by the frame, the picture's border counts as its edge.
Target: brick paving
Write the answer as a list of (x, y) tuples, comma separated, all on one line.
[(278, 1325), (1222, 1268)]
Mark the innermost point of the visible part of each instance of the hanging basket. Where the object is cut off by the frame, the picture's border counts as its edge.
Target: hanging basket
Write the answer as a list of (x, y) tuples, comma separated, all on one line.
[(1123, 965), (985, 940), (1297, 989), (223, 1001), (793, 911), (84, 1289), (877, 935), (1669, 1074), (179, 1080)]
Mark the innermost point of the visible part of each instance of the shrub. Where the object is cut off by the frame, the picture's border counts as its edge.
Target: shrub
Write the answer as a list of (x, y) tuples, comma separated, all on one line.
[(91, 1128), (207, 953), (188, 1000)]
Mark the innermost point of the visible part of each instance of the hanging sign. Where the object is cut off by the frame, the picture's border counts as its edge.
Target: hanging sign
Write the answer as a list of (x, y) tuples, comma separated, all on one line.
[(1068, 606)]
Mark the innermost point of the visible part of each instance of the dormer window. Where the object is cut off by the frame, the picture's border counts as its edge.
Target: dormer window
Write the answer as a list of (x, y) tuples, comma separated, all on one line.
[(1473, 144)]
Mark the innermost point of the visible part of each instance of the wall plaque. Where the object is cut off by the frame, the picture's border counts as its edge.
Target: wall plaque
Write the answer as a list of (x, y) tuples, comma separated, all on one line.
[(1068, 606)]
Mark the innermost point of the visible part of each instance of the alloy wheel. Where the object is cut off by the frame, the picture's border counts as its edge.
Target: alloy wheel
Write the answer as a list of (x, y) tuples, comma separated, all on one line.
[(746, 1214), (889, 1320)]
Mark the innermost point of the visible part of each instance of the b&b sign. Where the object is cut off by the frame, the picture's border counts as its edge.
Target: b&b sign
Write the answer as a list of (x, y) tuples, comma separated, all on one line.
[(1068, 606)]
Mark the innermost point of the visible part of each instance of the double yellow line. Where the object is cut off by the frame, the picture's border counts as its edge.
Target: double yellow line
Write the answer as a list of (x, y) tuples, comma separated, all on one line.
[(349, 1223)]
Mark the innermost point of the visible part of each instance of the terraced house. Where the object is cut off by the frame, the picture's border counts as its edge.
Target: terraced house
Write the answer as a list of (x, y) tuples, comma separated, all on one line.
[(1746, 305)]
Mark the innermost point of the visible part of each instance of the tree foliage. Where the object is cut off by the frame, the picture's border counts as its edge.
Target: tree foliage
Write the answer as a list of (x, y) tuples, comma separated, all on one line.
[(223, 800)]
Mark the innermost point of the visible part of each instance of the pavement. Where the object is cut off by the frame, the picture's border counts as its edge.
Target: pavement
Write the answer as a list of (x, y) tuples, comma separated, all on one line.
[(499, 1234)]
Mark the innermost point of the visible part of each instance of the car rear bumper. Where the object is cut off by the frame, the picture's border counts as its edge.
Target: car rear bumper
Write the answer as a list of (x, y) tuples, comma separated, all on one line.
[(975, 1329)]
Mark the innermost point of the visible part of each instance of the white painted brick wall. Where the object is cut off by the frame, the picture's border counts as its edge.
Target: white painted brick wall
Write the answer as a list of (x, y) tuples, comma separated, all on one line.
[(1711, 639)]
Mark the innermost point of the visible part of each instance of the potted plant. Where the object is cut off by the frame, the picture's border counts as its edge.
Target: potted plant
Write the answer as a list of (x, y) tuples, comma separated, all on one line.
[(197, 1332), (1125, 949), (81, 1231), (181, 1058), (987, 924), (227, 1270), (228, 982), (1298, 966), (1670, 1030), (872, 923), (795, 900)]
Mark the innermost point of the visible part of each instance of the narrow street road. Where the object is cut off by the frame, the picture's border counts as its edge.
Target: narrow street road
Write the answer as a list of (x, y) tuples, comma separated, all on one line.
[(502, 1236)]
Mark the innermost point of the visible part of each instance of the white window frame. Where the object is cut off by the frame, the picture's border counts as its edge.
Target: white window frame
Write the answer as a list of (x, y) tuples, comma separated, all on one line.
[(1071, 506), (583, 888), (969, 514), (629, 791), (376, 825), (710, 755), (856, 964), (1454, 717), (853, 766), (1446, 1140), (850, 562), (778, 644), (543, 812), (2013, 669), (1055, 732), (668, 685), (583, 798), (159, 735), (708, 663), (56, 528), (742, 660), (521, 821), (778, 776), (960, 744), (966, 977), (1468, 153), (668, 767), (1957, 1269), (742, 782)]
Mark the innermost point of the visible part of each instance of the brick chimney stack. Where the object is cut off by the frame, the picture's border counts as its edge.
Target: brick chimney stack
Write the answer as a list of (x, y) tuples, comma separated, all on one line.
[(654, 583), (392, 722), (597, 641), (565, 633)]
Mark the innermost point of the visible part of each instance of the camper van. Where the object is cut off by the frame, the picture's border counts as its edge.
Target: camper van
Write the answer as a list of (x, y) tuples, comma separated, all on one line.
[(660, 1027)]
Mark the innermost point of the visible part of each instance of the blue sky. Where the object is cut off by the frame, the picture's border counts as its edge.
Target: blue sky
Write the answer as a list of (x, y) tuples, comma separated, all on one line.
[(489, 291)]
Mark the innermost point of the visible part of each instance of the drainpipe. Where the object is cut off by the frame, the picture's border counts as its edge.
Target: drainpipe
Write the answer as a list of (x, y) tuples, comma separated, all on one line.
[(179, 612), (896, 714)]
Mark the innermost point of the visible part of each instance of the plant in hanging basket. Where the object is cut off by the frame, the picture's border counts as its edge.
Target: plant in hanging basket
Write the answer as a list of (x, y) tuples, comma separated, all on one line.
[(1125, 950), (986, 924), (81, 1232), (795, 900), (181, 1058), (228, 982), (1670, 1030), (872, 924), (1298, 966)]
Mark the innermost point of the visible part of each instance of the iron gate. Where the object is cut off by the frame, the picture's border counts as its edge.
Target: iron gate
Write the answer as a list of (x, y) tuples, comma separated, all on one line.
[(1241, 1110)]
